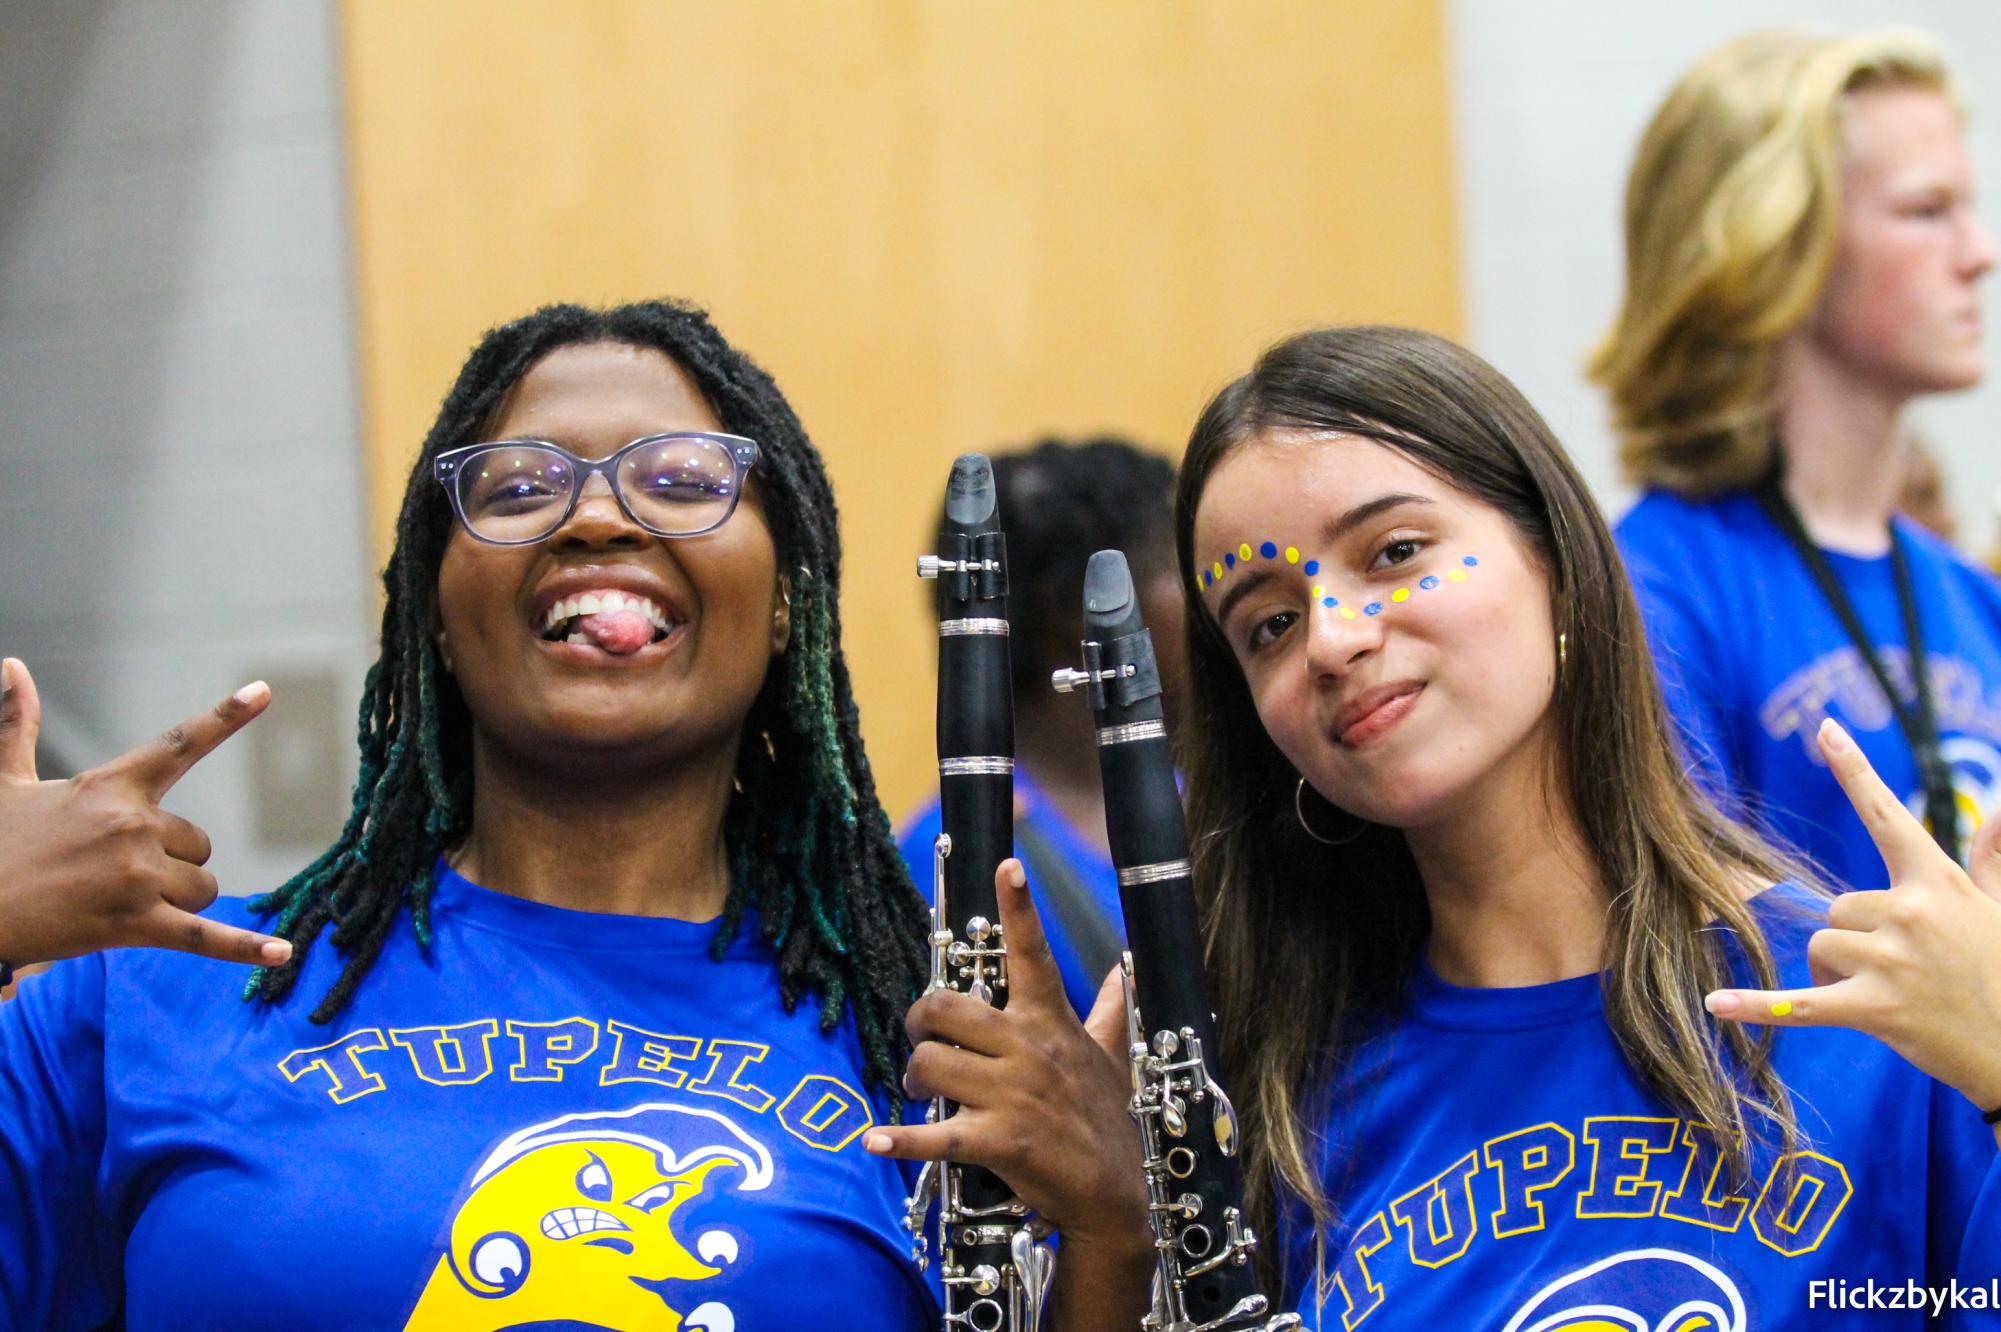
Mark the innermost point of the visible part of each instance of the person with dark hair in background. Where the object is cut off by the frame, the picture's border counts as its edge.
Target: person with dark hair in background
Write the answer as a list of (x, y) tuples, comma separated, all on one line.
[(1059, 502), (607, 971)]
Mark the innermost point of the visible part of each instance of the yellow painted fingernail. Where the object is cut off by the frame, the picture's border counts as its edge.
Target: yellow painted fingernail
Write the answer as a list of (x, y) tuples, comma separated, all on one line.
[(1783, 1008)]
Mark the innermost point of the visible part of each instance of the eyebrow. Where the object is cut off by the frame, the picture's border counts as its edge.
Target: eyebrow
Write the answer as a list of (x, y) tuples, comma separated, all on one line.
[(1238, 591), (1362, 513), (1332, 534)]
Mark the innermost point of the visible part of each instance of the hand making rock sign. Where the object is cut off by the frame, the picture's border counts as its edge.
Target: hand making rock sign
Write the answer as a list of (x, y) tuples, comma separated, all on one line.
[(94, 862), (1918, 964)]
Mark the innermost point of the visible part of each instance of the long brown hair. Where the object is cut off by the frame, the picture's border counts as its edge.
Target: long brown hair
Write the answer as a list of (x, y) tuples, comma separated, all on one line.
[(1328, 935)]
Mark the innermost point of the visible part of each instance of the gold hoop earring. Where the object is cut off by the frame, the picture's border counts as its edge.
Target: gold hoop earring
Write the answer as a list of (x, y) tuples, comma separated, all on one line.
[(1299, 809)]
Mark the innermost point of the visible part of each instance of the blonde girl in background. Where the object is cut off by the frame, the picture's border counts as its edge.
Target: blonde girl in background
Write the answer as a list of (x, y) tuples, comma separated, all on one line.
[(1802, 261)]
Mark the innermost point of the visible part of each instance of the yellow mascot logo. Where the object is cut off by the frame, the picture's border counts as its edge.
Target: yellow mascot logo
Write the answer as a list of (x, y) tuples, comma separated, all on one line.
[(572, 1222)]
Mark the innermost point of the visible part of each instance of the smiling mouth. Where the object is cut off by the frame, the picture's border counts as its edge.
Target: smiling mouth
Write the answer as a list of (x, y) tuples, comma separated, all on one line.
[(1380, 718), (620, 623)]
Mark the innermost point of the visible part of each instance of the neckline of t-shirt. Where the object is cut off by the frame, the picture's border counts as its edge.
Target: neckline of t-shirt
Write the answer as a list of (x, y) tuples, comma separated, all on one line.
[(1437, 1002), (459, 900), (1848, 561)]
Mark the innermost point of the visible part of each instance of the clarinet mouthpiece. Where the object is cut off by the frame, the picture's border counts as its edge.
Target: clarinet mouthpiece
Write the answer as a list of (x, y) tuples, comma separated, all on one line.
[(1111, 603), (970, 497)]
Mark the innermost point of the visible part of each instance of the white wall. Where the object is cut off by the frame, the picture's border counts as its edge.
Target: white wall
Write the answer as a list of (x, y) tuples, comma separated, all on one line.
[(1551, 97), (180, 484)]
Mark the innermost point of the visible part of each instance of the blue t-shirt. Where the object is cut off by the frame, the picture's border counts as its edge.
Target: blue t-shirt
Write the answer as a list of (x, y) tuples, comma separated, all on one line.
[(1092, 868), (557, 1118), (1496, 1165), (1752, 659)]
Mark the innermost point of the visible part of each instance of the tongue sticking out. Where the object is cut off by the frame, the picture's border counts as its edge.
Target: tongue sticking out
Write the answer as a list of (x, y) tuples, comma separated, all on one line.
[(620, 633)]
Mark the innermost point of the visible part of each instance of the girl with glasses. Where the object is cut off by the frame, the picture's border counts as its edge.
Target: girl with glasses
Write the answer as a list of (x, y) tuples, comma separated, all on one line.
[(589, 1007)]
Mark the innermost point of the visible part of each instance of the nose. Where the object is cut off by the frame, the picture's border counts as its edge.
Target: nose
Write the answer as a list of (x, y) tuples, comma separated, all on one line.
[(599, 522), (1339, 636), (1977, 255)]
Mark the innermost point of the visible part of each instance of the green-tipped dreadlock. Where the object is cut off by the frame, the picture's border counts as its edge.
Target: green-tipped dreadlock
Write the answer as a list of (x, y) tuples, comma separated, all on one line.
[(810, 848)]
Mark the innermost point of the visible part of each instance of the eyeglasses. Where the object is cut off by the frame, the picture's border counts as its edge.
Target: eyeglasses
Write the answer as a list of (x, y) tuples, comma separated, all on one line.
[(516, 491)]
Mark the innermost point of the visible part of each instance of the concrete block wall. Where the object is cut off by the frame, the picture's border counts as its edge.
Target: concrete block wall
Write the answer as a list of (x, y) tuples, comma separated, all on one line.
[(181, 503)]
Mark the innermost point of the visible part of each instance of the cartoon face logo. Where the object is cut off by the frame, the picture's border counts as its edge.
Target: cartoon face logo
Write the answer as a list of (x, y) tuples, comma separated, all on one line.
[(1976, 785), (1647, 1290), (573, 1221)]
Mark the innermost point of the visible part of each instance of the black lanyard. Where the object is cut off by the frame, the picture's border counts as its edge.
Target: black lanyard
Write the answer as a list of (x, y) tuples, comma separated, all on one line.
[(1919, 724)]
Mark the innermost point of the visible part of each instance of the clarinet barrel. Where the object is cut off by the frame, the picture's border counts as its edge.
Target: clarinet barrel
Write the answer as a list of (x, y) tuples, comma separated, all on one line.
[(1204, 1281)]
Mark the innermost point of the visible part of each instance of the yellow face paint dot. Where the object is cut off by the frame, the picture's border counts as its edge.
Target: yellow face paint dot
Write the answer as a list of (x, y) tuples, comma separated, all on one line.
[(1292, 554), (1217, 568), (1244, 551), (1456, 575), (1401, 594), (1319, 592), (1783, 1008), (1347, 614)]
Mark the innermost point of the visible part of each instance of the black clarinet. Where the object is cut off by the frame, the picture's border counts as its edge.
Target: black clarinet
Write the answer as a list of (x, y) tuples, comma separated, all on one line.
[(1203, 1281), (995, 1267)]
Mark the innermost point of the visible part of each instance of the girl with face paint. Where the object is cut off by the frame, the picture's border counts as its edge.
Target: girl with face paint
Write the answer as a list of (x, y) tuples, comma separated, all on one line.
[(1536, 981), (1522, 1031)]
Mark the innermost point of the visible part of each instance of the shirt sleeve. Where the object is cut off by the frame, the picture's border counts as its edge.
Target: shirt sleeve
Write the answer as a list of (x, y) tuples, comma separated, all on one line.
[(1964, 1228), (58, 1268), (1689, 663)]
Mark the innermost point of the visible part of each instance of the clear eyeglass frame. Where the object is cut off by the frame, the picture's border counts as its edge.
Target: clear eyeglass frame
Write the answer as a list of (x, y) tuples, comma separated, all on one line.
[(451, 466)]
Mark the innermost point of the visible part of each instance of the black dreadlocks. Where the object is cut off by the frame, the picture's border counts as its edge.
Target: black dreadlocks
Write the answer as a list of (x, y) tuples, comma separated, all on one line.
[(810, 848)]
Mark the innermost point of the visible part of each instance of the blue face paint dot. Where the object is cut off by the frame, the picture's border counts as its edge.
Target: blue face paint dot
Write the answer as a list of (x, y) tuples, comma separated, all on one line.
[(1329, 602), (1268, 550), (1312, 568), (1229, 559), (1469, 561), (1427, 582), (1373, 608), (1205, 578)]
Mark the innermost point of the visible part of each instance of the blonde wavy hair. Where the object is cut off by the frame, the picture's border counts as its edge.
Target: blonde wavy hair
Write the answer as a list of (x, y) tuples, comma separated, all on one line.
[(1731, 217)]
